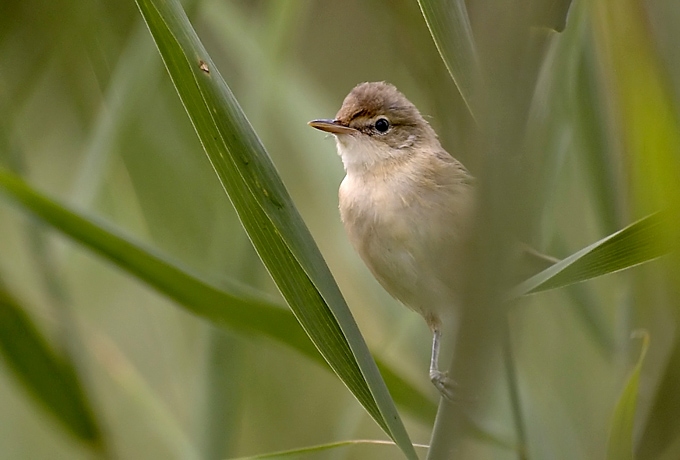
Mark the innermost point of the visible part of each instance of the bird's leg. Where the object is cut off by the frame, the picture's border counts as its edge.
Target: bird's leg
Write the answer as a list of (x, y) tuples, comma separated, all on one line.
[(439, 379)]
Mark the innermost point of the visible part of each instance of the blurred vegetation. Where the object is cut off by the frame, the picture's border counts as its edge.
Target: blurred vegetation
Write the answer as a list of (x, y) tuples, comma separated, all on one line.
[(575, 135)]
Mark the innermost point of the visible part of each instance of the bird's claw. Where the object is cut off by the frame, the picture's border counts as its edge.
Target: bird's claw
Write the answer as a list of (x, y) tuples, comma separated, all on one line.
[(443, 383)]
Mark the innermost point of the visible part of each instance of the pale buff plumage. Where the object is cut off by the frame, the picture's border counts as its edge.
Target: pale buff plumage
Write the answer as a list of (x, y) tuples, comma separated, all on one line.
[(405, 203)]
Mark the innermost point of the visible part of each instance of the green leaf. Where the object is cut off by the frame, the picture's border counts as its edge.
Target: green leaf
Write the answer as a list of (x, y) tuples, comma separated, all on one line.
[(266, 211), (647, 128), (296, 453), (640, 242), (50, 378), (450, 28), (239, 309), (621, 433)]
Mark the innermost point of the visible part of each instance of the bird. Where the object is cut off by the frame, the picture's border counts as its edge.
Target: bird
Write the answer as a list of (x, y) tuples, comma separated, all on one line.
[(406, 204)]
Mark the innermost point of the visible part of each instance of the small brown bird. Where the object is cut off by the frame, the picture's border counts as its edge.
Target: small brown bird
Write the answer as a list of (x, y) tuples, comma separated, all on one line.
[(406, 204)]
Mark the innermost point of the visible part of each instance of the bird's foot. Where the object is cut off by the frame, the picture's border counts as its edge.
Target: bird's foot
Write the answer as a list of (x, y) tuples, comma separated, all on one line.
[(443, 383)]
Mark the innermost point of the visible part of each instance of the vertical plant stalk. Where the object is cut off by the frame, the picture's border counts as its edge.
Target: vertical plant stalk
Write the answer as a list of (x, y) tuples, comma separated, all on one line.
[(497, 91)]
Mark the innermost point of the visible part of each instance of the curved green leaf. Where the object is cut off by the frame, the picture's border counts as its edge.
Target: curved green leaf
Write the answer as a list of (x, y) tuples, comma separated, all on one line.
[(267, 213), (50, 378), (640, 242), (296, 453), (450, 28), (240, 309), (621, 432)]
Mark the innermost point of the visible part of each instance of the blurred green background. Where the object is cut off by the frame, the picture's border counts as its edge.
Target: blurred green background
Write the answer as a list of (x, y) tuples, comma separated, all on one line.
[(90, 117)]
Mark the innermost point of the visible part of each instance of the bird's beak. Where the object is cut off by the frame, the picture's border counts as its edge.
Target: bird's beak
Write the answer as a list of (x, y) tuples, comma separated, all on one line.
[(331, 126)]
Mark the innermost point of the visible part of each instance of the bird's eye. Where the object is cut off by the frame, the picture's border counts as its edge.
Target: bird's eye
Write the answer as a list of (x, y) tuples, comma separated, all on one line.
[(382, 125)]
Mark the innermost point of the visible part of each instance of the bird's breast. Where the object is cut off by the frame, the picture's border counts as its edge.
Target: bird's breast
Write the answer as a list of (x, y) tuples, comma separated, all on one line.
[(378, 219), (403, 232)]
